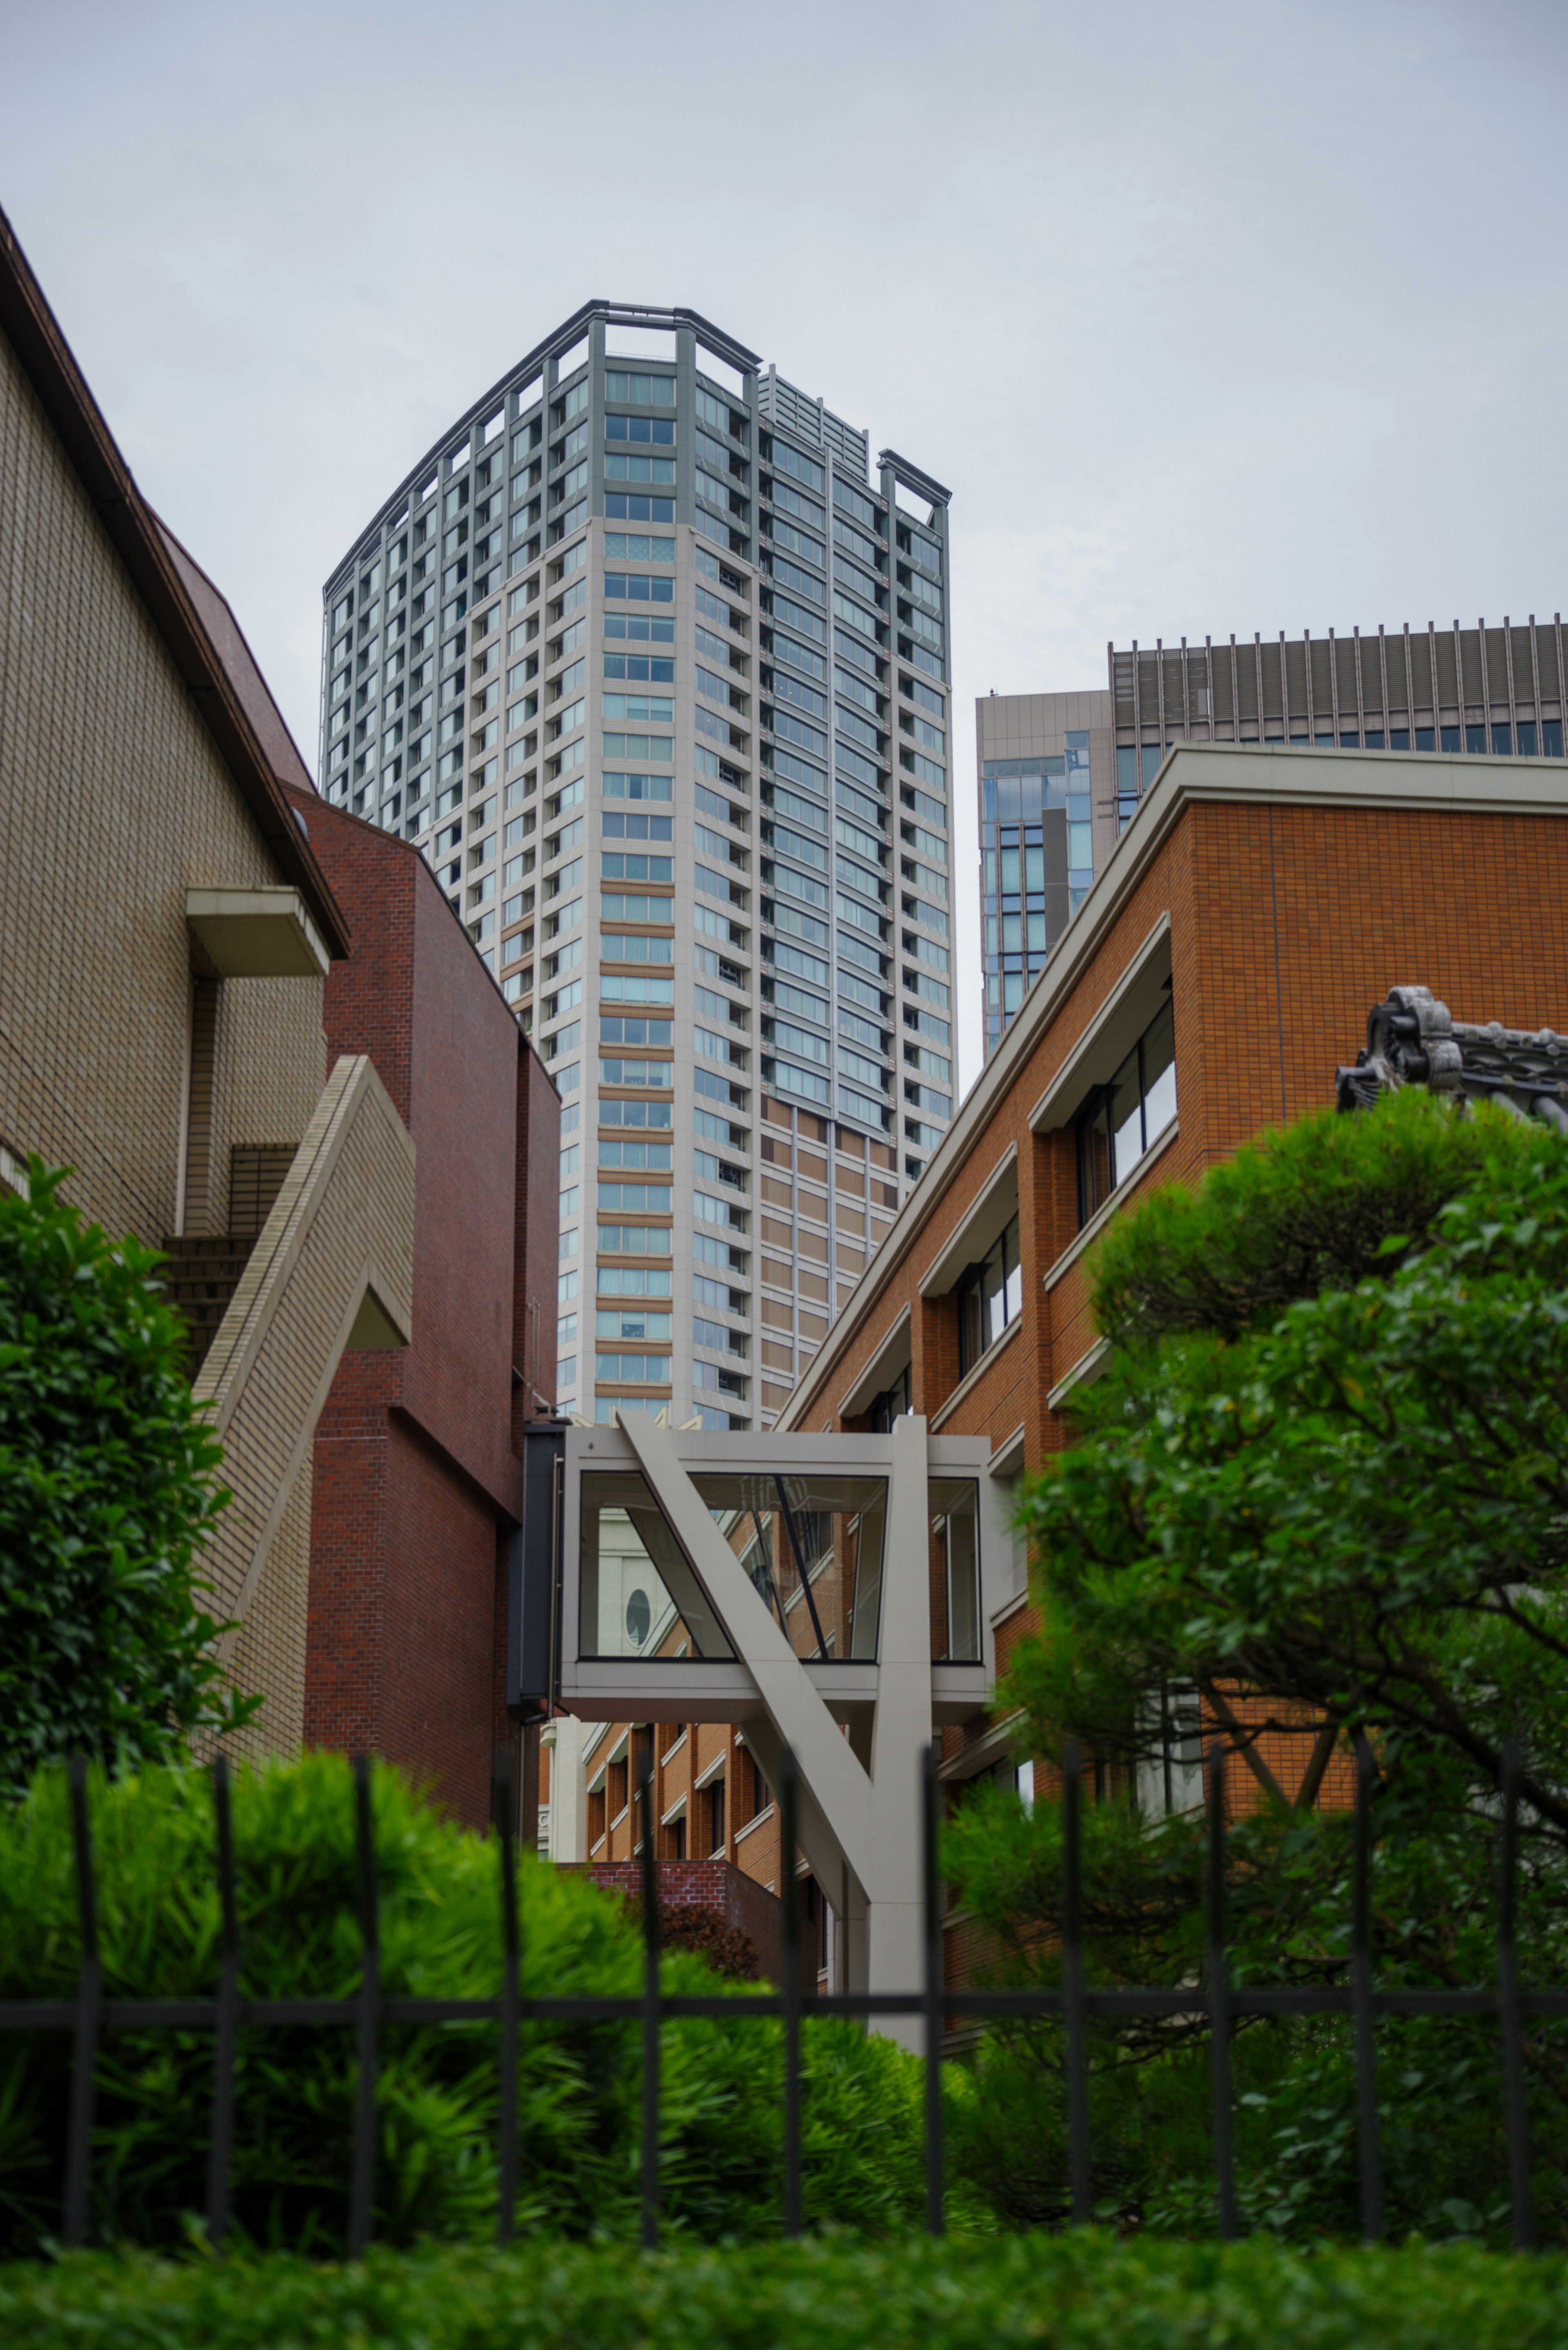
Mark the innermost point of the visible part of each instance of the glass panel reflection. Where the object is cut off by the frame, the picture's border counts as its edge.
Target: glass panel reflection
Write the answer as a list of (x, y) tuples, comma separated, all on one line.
[(812, 1545), (955, 1569), (639, 1597)]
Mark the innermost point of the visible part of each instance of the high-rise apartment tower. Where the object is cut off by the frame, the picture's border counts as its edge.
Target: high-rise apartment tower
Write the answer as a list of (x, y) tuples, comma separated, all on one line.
[(1061, 774), (657, 673)]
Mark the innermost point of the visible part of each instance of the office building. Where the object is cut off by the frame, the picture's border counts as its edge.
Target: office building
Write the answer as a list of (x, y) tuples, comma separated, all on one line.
[(1047, 764), (1215, 982), (652, 665), (1061, 774)]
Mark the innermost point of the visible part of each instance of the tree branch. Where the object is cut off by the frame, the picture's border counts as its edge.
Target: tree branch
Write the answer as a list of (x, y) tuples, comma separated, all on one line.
[(1254, 1761)]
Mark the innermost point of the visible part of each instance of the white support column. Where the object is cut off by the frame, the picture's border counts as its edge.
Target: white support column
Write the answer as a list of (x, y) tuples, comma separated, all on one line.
[(902, 1730), (568, 1800)]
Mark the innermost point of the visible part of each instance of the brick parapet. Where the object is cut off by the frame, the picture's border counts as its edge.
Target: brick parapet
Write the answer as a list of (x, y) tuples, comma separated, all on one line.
[(716, 1887)]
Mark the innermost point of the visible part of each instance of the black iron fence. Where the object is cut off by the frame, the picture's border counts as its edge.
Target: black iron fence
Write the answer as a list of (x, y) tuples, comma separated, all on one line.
[(90, 2013)]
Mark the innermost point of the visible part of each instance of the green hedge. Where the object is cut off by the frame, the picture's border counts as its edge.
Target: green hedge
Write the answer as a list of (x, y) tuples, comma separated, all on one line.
[(440, 1937), (1080, 2291)]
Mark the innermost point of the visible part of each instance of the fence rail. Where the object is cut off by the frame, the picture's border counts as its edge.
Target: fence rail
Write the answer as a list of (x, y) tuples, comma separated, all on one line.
[(90, 2013)]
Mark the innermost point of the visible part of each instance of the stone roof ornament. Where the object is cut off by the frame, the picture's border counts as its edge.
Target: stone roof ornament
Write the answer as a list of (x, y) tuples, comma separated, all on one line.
[(1413, 1039)]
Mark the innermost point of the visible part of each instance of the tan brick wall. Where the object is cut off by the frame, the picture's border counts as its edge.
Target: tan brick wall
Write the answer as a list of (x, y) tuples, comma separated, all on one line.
[(269, 1652), (114, 799), (346, 1208)]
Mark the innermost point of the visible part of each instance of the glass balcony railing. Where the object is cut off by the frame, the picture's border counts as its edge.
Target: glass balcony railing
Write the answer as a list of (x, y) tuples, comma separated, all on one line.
[(955, 1569)]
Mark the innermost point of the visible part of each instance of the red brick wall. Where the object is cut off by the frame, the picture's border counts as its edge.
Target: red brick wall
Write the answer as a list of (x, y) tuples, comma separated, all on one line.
[(1356, 899), (458, 1381), (345, 1625), (1287, 924), (438, 1555), (369, 995), (416, 1473)]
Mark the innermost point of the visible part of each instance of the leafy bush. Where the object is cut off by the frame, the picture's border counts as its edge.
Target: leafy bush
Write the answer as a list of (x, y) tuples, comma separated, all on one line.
[(441, 1935), (727, 1950), (1075, 2292), (108, 1487), (1327, 1466)]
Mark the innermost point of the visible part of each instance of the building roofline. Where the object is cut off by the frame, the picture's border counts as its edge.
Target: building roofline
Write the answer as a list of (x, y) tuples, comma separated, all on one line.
[(926, 484), (243, 669), (34, 334), (1191, 773), (315, 805), (1267, 639), (571, 330)]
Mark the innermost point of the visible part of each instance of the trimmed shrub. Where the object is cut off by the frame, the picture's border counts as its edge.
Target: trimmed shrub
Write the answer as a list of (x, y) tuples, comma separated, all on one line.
[(441, 1935), (1075, 2292), (1320, 1204)]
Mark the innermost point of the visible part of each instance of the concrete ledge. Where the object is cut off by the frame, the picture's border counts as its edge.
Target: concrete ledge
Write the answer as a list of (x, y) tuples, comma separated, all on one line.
[(972, 1379), (1088, 1365), (255, 933)]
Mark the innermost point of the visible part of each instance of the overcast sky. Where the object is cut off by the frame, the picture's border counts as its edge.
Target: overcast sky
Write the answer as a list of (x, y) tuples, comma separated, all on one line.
[(1226, 316)]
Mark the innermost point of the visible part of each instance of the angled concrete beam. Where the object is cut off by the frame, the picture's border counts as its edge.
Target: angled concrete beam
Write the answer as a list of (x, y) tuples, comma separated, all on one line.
[(836, 1792)]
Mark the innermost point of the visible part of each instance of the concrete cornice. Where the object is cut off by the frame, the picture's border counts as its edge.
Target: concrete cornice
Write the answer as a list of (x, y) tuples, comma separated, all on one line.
[(1245, 773), (561, 338)]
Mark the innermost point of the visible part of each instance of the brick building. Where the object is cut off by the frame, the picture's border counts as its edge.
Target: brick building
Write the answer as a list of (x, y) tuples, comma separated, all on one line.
[(718, 1832), (1218, 970), (255, 1032), (165, 935), (416, 1456)]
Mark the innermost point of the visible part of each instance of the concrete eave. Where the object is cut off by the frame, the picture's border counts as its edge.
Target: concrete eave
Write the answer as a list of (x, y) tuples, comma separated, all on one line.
[(256, 933)]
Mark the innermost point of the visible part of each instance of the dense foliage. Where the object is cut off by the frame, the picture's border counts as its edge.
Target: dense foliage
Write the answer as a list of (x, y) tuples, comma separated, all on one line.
[(1327, 1469), (108, 1487), (727, 1950), (440, 1935), (1310, 1208), (1083, 2292)]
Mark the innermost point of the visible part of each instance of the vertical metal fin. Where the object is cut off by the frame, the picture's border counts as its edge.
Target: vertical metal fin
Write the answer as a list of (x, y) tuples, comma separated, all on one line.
[(1073, 1984), (220, 2152), (362, 2191), (90, 2004), (511, 1943), (1220, 1997), (650, 2009)]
